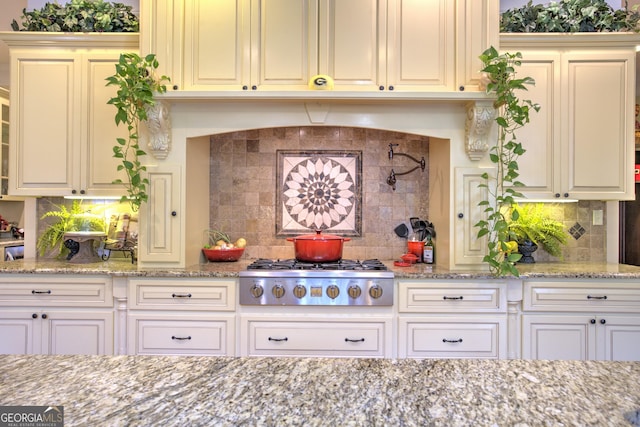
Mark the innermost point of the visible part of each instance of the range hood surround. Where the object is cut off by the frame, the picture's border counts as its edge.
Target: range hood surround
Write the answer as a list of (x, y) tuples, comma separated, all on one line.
[(462, 120)]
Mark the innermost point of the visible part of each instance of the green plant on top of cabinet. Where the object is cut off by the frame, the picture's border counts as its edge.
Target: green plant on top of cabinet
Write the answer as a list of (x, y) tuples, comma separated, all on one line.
[(62, 128)]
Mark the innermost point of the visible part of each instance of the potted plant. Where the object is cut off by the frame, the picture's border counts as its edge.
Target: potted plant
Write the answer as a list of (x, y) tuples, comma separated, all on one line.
[(569, 16), (75, 218), (137, 83), (79, 16), (531, 226)]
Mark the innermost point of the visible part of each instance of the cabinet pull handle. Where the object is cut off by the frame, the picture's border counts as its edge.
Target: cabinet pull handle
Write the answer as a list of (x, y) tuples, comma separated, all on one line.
[(352, 340), (596, 297), (181, 295), (454, 341), (279, 339), (456, 298), (34, 292), (173, 337)]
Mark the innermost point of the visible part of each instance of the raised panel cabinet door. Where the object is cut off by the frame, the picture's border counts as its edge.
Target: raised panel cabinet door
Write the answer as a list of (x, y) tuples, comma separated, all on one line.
[(469, 249), (78, 332), (217, 44), (618, 337), (421, 42), (558, 337), (284, 43), (539, 166), (44, 131), (352, 43), (159, 239), (99, 130), (17, 329), (598, 102)]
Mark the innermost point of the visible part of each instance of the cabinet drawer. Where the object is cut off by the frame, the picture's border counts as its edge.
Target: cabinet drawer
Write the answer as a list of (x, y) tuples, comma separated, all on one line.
[(181, 335), (181, 294), (471, 337), (316, 338), (452, 297), (56, 291), (591, 296)]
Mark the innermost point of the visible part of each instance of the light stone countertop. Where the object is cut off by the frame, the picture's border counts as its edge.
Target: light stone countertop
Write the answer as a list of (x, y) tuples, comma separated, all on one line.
[(222, 391), (123, 267)]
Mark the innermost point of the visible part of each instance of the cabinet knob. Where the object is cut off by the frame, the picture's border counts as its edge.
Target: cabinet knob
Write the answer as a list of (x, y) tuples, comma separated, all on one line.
[(592, 321), (381, 87), (461, 88), (174, 213), (254, 87), (565, 195), (82, 192), (602, 321), (557, 195), (73, 191), (391, 87), (175, 87), (34, 316), (460, 215), (44, 316), (245, 87)]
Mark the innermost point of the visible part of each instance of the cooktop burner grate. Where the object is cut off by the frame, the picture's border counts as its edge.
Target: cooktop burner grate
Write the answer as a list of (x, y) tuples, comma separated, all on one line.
[(292, 264)]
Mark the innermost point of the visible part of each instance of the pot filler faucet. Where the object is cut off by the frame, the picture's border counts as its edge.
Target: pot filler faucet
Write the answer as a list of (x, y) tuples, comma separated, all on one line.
[(391, 179)]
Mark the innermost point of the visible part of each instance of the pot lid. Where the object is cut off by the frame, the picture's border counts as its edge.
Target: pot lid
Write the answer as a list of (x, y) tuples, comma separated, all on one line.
[(318, 236)]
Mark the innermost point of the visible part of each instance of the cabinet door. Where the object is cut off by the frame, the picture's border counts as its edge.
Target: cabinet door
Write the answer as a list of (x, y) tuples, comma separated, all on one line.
[(99, 130), (468, 248), (540, 165), (46, 102), (597, 103), (4, 143), (17, 329), (421, 45), (77, 332), (159, 240), (618, 337), (558, 337), (353, 43)]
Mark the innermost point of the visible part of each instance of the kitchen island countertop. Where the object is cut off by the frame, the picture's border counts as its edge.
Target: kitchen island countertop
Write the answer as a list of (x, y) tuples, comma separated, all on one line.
[(222, 391), (124, 267)]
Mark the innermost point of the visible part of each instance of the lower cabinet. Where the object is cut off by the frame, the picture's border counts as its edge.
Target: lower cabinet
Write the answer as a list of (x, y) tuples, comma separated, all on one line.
[(452, 319), (181, 316), (581, 320), (321, 337), (56, 315)]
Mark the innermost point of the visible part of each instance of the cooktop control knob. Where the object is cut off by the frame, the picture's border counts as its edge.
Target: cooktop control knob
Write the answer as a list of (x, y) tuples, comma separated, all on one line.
[(299, 291), (333, 291), (354, 291), (375, 291), (257, 291), (278, 291)]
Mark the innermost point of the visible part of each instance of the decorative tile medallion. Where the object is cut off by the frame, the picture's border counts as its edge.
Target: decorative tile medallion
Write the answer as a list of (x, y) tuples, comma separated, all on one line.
[(318, 190), (577, 230)]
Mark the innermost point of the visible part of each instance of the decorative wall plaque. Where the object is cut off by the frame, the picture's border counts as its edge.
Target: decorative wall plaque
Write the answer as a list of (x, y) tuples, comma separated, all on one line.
[(318, 190)]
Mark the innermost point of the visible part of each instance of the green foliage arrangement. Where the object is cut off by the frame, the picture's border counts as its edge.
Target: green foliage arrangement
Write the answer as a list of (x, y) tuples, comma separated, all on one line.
[(66, 220), (137, 83), (80, 16), (512, 114), (569, 16), (532, 222)]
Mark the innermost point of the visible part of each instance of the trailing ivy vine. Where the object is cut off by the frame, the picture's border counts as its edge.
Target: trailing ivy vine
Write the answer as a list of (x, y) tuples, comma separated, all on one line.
[(137, 83), (511, 114)]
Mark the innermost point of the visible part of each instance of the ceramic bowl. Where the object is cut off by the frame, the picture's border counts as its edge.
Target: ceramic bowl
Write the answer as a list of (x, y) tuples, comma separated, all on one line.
[(223, 255)]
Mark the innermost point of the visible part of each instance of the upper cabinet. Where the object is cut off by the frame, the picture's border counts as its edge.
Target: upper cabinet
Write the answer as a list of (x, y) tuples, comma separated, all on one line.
[(580, 145), (4, 141), (363, 45), (62, 129)]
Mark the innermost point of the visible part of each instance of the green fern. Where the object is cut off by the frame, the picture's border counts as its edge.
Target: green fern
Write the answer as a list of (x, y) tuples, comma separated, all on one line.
[(531, 222)]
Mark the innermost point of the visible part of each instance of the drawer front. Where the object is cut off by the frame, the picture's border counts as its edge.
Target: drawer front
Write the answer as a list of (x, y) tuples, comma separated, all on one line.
[(309, 338), (591, 296), (181, 294), (452, 297), (56, 291), (186, 335), (452, 338)]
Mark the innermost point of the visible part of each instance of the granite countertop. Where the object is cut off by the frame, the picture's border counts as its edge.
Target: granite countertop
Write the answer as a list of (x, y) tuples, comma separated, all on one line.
[(222, 391)]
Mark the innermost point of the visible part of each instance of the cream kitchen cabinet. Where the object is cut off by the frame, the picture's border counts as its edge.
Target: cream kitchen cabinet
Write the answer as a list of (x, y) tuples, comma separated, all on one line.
[(181, 317), (56, 315), (581, 320), (4, 141), (456, 319), (62, 130), (581, 143)]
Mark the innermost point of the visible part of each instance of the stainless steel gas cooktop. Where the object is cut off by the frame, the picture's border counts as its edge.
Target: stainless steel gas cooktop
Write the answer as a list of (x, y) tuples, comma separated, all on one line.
[(340, 283)]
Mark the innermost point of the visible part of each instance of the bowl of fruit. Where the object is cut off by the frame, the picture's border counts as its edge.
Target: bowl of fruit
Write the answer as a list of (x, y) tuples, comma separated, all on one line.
[(219, 247)]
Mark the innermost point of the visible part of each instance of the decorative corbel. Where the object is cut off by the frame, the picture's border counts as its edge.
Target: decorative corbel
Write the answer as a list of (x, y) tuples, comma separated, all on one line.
[(158, 125), (480, 118)]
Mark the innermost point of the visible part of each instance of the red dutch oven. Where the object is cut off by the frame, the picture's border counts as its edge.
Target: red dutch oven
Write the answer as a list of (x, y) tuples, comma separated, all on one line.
[(318, 247)]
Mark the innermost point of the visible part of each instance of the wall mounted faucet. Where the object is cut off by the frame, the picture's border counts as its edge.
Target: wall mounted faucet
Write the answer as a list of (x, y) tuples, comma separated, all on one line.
[(391, 179)]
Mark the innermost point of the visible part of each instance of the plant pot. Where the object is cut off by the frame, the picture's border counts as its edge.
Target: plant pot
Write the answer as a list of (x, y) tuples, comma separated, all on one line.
[(527, 249)]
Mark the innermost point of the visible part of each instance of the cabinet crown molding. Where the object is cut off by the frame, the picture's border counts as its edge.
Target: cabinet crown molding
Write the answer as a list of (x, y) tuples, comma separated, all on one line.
[(51, 39)]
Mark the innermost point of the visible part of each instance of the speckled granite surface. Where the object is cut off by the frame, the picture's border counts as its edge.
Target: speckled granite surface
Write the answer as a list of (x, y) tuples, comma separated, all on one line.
[(123, 267), (206, 391)]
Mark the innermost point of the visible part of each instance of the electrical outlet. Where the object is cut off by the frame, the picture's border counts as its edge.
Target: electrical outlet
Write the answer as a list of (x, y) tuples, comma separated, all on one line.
[(598, 217)]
